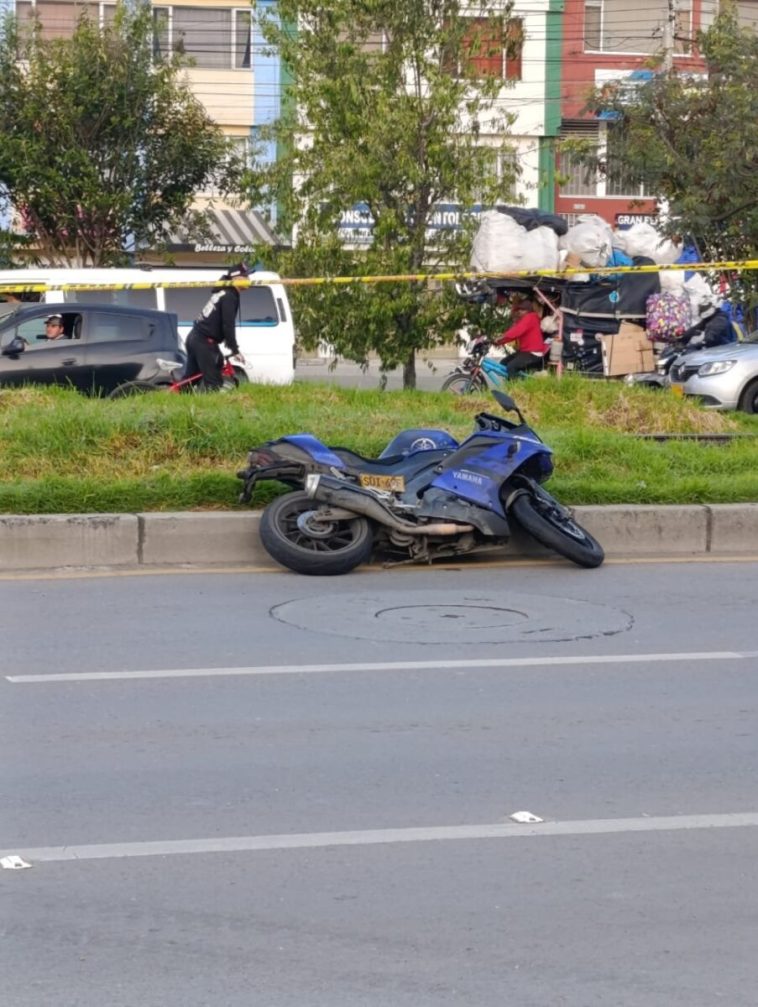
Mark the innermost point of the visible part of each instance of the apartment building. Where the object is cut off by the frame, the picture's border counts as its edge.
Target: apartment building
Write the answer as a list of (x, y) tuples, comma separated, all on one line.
[(605, 40), (566, 48), (519, 57), (231, 75)]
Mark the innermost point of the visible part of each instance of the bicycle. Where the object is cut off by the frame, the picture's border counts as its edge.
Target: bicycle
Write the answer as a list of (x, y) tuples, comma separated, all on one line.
[(168, 382)]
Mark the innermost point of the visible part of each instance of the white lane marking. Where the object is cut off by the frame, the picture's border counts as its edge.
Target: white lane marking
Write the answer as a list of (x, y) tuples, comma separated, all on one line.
[(320, 669), (373, 837)]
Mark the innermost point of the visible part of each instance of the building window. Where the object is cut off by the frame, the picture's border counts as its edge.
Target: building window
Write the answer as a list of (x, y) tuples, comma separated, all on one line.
[(161, 20), (204, 34), (490, 48), (240, 147), (619, 181), (243, 39), (514, 47), (617, 26), (579, 176), (57, 20), (747, 12), (214, 38), (507, 170), (593, 25)]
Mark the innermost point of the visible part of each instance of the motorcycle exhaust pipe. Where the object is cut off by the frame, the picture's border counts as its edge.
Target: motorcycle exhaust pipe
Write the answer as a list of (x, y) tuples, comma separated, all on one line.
[(359, 501)]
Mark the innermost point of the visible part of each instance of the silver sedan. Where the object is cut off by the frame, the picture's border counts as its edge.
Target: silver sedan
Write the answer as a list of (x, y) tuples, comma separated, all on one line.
[(723, 377)]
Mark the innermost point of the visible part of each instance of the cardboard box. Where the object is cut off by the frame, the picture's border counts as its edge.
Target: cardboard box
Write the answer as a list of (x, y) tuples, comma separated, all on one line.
[(629, 351)]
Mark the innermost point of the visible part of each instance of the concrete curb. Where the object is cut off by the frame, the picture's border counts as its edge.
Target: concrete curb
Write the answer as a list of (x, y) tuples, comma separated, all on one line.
[(224, 538)]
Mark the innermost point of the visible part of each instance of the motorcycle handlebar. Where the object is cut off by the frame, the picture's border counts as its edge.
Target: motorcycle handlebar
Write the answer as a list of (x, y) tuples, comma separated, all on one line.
[(480, 346)]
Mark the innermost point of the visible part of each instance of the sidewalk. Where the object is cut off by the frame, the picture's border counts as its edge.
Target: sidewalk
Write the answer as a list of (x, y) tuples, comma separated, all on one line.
[(135, 541)]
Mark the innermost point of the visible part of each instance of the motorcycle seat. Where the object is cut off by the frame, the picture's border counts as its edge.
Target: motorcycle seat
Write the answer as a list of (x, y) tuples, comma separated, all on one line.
[(406, 465)]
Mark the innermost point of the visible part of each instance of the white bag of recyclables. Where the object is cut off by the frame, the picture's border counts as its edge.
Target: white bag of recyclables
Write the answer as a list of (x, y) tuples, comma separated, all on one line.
[(540, 249), (698, 292), (643, 239), (672, 280), (498, 244), (501, 245), (591, 238)]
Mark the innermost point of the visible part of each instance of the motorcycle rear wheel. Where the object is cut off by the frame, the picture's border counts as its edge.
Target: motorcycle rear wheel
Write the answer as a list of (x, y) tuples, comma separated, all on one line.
[(334, 548), (547, 521), (463, 384)]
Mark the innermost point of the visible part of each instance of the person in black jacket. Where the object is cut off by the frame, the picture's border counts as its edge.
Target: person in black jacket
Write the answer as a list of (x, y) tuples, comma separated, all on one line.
[(216, 324), (712, 328)]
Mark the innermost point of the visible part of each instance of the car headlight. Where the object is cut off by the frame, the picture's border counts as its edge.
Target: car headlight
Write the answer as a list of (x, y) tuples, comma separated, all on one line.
[(716, 367)]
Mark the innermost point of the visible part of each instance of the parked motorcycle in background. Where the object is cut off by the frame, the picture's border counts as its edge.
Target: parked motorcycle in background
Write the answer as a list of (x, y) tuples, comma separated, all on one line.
[(669, 356), (425, 497)]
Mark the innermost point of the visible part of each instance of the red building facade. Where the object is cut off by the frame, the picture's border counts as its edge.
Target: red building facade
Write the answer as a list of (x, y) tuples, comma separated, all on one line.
[(604, 40)]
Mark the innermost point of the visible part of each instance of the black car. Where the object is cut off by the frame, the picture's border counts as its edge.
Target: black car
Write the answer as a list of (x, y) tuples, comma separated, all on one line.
[(101, 346)]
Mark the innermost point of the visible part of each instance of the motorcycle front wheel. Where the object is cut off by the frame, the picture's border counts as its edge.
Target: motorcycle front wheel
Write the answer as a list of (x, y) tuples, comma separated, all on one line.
[(551, 524), (463, 384), (292, 538)]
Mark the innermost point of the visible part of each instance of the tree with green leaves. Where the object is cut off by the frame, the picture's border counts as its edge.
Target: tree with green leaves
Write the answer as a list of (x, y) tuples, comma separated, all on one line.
[(693, 140), (392, 107), (102, 144)]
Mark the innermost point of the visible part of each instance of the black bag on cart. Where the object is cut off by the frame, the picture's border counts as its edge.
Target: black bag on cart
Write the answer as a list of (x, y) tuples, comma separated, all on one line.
[(596, 305)]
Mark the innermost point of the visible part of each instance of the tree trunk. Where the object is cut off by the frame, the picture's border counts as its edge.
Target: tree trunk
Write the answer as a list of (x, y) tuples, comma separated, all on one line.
[(409, 370)]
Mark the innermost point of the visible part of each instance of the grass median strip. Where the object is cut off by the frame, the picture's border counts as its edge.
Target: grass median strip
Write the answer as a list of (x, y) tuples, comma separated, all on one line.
[(61, 452)]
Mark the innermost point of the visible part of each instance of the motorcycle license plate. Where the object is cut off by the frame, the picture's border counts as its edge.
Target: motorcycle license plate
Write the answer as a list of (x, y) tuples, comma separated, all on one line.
[(678, 390), (391, 484)]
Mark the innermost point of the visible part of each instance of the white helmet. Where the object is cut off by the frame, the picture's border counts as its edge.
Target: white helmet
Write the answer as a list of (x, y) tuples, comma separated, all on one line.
[(707, 307)]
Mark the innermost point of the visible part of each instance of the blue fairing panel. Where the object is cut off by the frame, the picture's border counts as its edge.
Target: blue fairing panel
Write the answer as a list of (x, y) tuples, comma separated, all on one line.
[(418, 439), (318, 451)]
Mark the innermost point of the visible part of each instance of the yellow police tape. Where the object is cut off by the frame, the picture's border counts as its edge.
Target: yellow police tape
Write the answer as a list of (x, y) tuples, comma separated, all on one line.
[(732, 265)]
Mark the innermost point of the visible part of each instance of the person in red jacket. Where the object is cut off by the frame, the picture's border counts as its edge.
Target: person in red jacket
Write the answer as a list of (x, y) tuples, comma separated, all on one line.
[(526, 334)]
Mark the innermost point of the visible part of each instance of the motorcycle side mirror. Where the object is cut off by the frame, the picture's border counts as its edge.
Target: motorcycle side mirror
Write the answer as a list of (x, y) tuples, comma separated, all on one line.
[(14, 347), (506, 402)]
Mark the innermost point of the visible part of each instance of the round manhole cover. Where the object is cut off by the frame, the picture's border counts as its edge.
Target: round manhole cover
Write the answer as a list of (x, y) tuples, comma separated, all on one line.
[(463, 618), (452, 617)]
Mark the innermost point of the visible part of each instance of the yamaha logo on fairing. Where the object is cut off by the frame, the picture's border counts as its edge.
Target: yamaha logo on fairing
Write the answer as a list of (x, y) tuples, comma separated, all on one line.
[(468, 477), (423, 444)]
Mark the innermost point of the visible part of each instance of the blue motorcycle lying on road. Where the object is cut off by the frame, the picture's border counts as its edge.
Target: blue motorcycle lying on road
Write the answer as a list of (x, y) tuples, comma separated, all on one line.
[(427, 496)]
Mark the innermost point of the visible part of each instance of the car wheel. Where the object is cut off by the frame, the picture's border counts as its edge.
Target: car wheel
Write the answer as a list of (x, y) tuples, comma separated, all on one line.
[(749, 400)]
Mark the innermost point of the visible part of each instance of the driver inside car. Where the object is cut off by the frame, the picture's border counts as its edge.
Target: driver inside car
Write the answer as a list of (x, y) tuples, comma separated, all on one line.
[(53, 328)]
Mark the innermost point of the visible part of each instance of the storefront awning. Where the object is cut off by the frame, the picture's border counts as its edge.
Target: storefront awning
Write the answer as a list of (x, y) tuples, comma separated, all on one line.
[(231, 231)]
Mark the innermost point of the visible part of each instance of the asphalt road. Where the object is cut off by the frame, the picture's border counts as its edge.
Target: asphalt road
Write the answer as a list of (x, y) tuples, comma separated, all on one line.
[(245, 789), (429, 373)]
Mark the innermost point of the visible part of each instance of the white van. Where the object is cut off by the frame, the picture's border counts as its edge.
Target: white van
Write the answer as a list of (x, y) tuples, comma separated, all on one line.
[(265, 331)]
